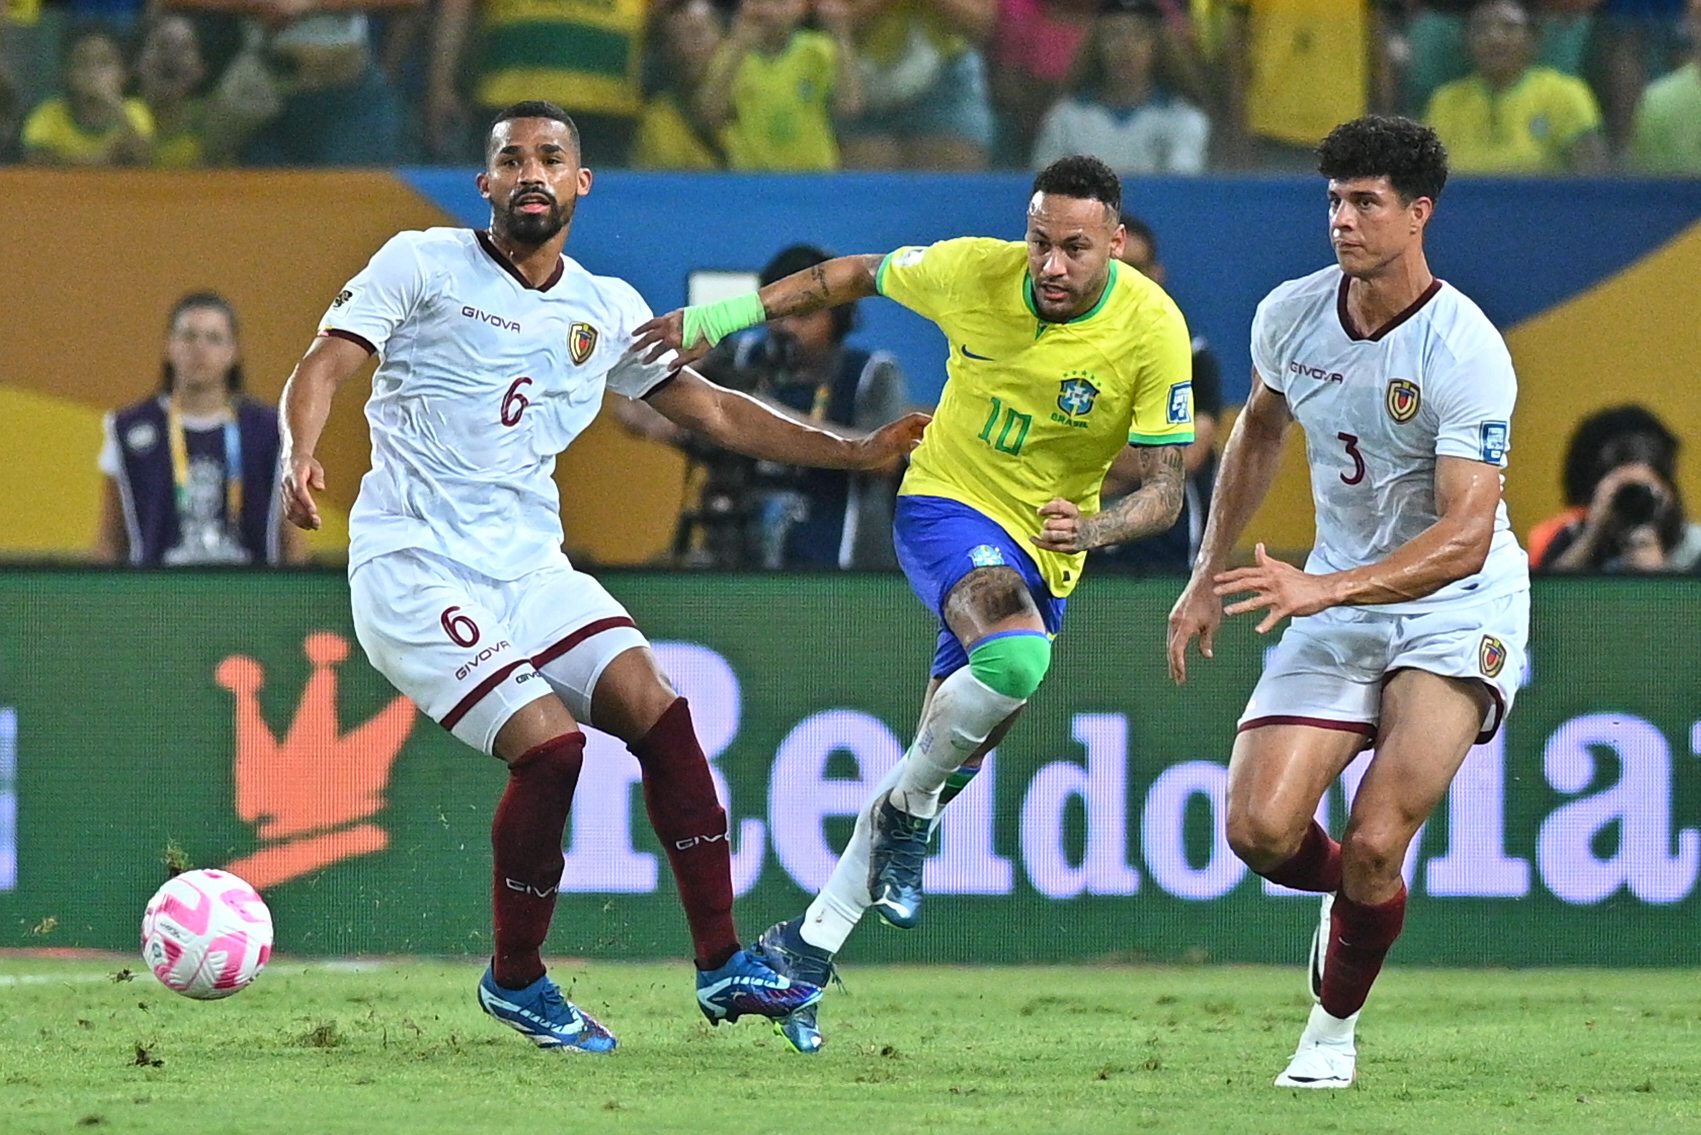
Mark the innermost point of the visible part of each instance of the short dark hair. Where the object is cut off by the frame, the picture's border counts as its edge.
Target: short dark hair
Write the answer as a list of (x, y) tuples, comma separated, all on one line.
[(1409, 154), (530, 108), (202, 301), (1084, 177), (798, 258), (1138, 228), (1587, 457)]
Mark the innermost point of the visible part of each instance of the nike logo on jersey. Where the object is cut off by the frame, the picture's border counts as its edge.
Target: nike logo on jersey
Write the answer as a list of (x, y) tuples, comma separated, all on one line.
[(982, 358)]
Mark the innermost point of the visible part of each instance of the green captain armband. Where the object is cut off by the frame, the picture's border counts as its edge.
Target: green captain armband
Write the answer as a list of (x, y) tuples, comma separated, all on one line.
[(711, 322)]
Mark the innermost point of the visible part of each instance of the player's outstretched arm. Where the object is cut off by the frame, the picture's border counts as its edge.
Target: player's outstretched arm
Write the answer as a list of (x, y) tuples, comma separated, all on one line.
[(1148, 510), (1250, 459), (739, 422), (1467, 500), (691, 331), (305, 406)]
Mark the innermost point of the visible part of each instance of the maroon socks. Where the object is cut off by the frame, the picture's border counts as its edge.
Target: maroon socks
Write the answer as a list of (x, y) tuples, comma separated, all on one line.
[(1359, 939), (1316, 866), (526, 839), (684, 811)]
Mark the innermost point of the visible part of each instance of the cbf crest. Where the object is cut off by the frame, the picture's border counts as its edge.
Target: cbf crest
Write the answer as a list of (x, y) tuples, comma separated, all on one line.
[(1403, 400), (1076, 395), (581, 341), (1491, 656)]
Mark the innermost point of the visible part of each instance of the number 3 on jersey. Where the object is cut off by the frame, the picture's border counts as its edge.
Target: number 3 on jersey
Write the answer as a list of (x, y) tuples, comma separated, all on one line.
[(1013, 424), (1351, 441)]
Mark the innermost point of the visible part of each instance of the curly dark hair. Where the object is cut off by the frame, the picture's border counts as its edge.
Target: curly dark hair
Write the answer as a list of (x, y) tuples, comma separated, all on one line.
[(1612, 437), (1082, 176), (1407, 153)]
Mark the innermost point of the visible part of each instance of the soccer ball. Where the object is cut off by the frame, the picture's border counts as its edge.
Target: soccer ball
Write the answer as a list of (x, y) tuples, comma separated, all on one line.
[(206, 934)]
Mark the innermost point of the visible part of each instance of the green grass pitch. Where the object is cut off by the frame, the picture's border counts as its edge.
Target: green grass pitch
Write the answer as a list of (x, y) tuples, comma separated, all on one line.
[(399, 1046)]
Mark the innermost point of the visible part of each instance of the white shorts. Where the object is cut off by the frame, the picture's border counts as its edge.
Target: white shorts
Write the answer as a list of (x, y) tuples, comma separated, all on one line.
[(471, 651), (1329, 668)]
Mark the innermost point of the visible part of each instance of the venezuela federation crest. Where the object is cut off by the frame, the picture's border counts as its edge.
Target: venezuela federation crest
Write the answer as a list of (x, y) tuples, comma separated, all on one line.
[(581, 341), (1403, 400), (1491, 655)]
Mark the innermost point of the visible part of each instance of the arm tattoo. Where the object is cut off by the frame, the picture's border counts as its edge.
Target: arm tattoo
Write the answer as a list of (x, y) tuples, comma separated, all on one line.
[(1148, 510)]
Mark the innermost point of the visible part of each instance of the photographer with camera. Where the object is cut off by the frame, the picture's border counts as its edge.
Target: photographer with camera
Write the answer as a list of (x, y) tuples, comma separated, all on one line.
[(1626, 512), (760, 515)]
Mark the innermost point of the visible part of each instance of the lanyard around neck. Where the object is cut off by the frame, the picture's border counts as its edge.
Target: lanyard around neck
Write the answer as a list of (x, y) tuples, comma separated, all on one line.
[(180, 462)]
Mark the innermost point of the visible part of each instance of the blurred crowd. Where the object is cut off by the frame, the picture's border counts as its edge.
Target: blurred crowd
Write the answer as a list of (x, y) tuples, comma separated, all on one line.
[(1151, 86)]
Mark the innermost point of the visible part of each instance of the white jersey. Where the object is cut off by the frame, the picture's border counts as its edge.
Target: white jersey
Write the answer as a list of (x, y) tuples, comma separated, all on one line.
[(1377, 411), (482, 381)]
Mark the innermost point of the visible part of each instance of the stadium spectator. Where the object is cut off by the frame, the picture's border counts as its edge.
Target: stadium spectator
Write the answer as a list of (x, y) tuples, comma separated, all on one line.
[(774, 87), (1511, 115), (924, 84), (818, 517), (1640, 40), (670, 135), (1433, 50), (92, 123), (585, 56), (1668, 117), (1172, 552), (1117, 110), (1626, 513), (1033, 50), (189, 130), (192, 472), (1293, 72), (334, 105)]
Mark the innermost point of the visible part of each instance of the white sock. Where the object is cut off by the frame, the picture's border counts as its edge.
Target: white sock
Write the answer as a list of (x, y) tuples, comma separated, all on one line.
[(963, 713), (1322, 1028), (837, 909)]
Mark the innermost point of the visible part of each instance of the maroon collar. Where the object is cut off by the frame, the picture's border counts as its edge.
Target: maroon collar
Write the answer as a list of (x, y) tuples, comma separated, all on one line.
[(1376, 336), (507, 265)]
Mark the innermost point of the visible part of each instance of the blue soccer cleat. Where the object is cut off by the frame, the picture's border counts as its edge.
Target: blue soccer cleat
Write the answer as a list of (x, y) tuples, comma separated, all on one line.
[(895, 857), (541, 1015), (748, 985), (782, 947)]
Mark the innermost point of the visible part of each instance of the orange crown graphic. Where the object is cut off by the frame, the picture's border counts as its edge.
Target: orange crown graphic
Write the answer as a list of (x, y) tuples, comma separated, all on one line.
[(308, 794)]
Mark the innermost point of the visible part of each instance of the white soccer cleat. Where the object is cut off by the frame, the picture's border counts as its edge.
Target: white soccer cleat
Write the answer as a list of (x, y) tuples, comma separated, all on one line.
[(1320, 948), (1327, 1056)]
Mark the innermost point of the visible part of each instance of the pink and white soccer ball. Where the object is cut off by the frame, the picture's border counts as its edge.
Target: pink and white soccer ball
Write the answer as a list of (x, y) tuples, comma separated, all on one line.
[(206, 934)]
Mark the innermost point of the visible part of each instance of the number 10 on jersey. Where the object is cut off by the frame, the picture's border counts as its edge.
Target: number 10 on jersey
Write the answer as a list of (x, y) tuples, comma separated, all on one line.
[(1013, 424)]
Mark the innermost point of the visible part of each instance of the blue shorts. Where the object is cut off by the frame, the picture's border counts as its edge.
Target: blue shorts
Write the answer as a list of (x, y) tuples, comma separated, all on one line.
[(939, 541)]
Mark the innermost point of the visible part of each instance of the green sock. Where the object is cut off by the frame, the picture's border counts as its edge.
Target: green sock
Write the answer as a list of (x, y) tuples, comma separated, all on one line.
[(956, 782)]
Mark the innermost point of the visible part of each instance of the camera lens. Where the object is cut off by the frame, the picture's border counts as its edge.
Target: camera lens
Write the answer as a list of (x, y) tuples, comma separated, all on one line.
[(1635, 505)]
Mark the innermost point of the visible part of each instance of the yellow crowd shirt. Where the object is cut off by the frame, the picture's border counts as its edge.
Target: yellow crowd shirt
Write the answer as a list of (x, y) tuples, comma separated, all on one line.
[(1529, 127), (1310, 67), (667, 139), (1034, 410), (53, 128), (781, 119), (583, 55)]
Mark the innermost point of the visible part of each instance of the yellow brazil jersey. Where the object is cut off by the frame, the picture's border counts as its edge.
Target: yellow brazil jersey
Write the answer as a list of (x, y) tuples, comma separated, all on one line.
[(667, 139), (1527, 128), (1310, 63), (781, 110), (1034, 410), (51, 127)]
